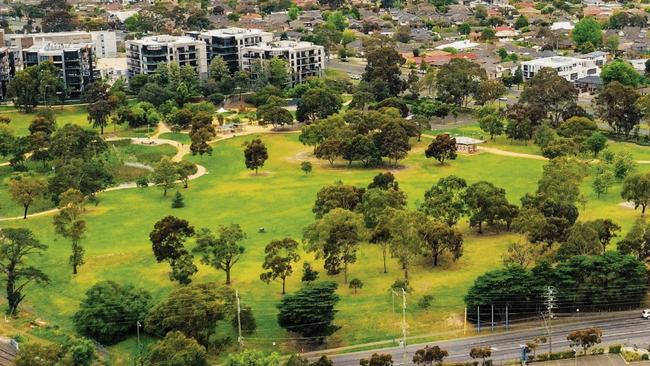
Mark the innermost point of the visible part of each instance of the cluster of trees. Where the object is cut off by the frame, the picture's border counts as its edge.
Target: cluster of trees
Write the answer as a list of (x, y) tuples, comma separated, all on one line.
[(363, 137), (76, 159), (186, 321), (221, 252), (36, 85), (547, 112), (347, 215), (592, 282), (71, 352), (560, 251), (166, 173)]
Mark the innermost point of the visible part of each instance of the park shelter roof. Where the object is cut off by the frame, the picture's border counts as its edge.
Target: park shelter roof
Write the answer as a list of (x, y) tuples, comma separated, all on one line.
[(462, 140)]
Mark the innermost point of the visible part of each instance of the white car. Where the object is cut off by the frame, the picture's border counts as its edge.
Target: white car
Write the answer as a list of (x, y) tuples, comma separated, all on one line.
[(645, 314)]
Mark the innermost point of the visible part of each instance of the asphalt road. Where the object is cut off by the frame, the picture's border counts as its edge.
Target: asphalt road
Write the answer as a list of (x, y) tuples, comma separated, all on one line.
[(626, 328)]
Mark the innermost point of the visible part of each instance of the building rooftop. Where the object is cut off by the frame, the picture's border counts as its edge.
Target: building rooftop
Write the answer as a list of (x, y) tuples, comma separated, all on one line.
[(57, 47), (232, 31), (164, 40), (459, 45), (463, 140), (284, 45), (555, 61)]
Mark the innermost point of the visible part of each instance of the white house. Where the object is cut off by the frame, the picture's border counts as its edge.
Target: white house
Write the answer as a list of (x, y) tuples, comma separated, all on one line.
[(570, 68)]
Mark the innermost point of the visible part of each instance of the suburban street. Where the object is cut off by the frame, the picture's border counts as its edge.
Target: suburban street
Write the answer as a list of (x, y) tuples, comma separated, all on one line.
[(626, 328)]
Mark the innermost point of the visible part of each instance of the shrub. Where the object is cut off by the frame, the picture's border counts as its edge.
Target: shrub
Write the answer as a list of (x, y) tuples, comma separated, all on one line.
[(615, 348), (425, 302), (110, 311), (400, 284), (176, 347), (178, 201), (631, 356)]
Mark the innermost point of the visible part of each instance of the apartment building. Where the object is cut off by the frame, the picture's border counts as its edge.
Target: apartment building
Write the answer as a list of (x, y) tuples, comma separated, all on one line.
[(229, 42), (570, 68), (76, 62), (104, 42), (7, 69), (304, 59), (144, 55)]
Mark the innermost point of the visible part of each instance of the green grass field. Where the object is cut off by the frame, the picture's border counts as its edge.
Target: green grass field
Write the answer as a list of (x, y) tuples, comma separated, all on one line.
[(75, 114), (176, 136), (146, 154), (280, 200)]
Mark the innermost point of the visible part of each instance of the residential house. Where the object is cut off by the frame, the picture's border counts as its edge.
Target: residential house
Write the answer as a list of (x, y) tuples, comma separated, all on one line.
[(570, 68), (505, 33)]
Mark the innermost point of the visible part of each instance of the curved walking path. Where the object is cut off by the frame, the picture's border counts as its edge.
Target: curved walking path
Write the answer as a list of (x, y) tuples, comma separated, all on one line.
[(182, 150), (496, 151)]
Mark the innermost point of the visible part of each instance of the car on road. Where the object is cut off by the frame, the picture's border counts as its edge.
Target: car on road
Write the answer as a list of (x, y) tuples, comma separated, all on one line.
[(355, 76), (645, 314)]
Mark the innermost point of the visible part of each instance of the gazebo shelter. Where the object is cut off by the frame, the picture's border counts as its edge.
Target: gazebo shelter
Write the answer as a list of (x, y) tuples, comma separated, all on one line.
[(467, 144)]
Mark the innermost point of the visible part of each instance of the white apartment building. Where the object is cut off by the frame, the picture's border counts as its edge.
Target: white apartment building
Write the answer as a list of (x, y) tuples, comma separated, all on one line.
[(228, 43), (570, 68), (144, 55), (304, 59), (104, 42)]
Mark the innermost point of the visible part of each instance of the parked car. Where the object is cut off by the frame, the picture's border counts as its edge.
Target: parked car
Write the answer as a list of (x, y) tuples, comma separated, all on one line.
[(645, 314)]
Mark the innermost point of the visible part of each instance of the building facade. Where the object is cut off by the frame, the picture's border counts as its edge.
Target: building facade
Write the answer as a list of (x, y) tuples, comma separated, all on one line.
[(570, 68), (75, 62), (144, 55), (229, 42), (304, 59), (7, 69)]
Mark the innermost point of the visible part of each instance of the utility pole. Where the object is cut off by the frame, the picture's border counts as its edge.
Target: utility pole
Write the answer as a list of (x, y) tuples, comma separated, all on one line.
[(239, 338), (403, 327), (137, 329), (465, 322), (492, 319), (549, 301)]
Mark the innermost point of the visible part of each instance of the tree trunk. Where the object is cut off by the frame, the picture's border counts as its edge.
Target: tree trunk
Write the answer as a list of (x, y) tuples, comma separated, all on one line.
[(283, 285), (383, 251), (480, 227), (25, 212), (406, 273), (228, 276), (345, 272), (74, 268), (12, 300), (164, 192), (435, 258)]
